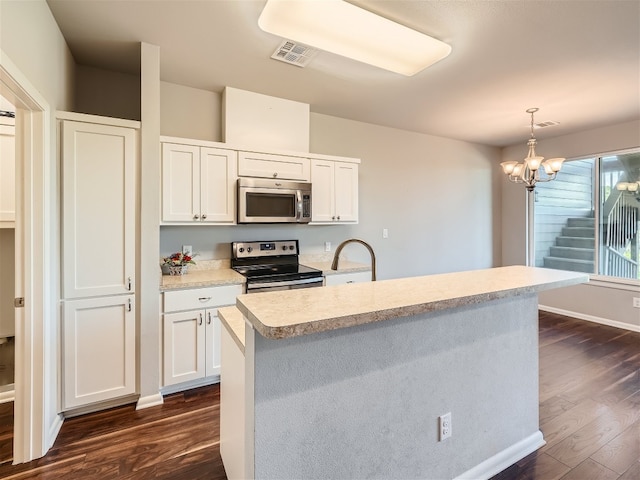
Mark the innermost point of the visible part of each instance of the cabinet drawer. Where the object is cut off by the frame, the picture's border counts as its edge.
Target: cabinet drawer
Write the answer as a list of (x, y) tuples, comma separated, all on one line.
[(201, 298), (268, 165)]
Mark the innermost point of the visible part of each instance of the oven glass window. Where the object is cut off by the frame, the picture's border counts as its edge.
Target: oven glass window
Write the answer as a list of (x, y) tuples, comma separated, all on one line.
[(270, 205)]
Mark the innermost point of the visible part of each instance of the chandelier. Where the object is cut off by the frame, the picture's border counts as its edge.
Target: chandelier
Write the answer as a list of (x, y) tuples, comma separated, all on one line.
[(528, 172)]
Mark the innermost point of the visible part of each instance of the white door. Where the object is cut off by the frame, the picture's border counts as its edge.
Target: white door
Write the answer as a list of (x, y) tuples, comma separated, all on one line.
[(180, 183), (346, 191), (213, 343), (98, 349), (322, 191), (99, 207), (218, 175), (184, 346), (7, 173)]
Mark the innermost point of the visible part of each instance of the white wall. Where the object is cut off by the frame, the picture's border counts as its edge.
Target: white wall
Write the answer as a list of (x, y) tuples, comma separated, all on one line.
[(438, 197), (31, 39), (606, 304)]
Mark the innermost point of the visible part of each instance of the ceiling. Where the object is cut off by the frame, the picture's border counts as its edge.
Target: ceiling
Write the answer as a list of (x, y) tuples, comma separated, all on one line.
[(578, 61)]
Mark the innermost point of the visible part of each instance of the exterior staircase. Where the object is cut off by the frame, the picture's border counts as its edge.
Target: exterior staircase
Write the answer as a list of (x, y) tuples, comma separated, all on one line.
[(574, 248)]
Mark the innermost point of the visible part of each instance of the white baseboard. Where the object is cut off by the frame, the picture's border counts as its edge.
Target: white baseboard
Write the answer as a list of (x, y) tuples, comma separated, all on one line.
[(505, 458), (8, 396), (149, 401), (590, 318), (54, 430)]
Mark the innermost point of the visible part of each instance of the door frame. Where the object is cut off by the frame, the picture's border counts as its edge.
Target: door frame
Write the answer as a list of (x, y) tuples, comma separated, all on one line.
[(36, 422)]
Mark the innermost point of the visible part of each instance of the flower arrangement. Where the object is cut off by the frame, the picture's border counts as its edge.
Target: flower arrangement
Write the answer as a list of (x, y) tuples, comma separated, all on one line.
[(177, 263)]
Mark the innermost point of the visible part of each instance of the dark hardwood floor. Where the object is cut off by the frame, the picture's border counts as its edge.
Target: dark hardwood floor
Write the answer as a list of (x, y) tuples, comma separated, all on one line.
[(589, 414)]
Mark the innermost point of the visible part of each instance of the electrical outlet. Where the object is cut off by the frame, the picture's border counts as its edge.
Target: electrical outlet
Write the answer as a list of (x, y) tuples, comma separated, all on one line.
[(385, 233), (327, 246), (444, 424), (636, 302), (187, 250)]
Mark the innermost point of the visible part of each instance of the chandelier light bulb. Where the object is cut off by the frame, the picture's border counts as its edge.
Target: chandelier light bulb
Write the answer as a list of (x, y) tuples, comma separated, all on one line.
[(621, 186), (507, 167), (633, 187), (534, 163)]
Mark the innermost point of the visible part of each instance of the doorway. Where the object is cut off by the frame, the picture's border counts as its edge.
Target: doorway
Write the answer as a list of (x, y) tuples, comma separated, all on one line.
[(36, 422)]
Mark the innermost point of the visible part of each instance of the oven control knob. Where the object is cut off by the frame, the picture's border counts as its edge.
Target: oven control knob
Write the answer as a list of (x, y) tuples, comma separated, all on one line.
[(249, 249), (290, 247), (284, 247), (241, 249)]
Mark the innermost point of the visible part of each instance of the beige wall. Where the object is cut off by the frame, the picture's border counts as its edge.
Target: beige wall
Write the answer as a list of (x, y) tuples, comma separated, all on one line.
[(111, 94), (439, 198), (608, 304), (32, 41)]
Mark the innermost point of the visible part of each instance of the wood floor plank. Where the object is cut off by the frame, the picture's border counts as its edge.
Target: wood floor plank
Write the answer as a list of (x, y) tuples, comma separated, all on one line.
[(622, 452), (553, 407), (571, 421), (590, 470), (633, 473), (589, 439)]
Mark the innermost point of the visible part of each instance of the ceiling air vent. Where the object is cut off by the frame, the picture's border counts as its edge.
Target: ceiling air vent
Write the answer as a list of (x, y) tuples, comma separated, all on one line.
[(549, 123), (294, 53)]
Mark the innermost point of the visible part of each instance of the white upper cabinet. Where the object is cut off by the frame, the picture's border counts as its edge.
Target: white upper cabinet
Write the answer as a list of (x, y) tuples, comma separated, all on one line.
[(7, 176), (267, 165), (334, 192), (99, 209), (198, 184)]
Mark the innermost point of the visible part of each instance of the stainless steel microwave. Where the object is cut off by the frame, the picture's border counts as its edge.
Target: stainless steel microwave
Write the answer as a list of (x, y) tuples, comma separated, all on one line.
[(262, 200)]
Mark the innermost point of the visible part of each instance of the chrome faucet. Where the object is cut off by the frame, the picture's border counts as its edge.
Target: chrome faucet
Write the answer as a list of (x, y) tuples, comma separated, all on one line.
[(336, 256)]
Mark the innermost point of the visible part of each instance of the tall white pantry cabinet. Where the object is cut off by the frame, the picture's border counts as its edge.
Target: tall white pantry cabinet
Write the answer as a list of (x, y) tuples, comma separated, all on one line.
[(99, 205)]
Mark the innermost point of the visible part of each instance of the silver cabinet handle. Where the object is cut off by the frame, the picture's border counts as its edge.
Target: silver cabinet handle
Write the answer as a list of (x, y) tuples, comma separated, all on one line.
[(196, 217), (275, 174), (204, 216), (129, 283), (129, 301), (333, 218), (204, 299), (208, 318), (338, 217), (200, 322)]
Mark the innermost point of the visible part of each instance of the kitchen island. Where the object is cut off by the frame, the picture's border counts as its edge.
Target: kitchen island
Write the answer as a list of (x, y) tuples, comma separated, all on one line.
[(349, 381)]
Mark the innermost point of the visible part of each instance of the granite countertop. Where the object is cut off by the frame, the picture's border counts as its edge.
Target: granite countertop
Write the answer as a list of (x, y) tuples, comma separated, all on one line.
[(312, 310), (213, 273), (344, 266), (207, 273), (232, 319)]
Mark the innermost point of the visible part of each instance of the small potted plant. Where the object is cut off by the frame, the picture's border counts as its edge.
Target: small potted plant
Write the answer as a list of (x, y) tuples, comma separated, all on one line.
[(177, 263)]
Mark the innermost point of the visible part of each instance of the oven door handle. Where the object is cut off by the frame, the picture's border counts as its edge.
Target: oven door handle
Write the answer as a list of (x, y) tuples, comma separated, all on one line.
[(285, 283)]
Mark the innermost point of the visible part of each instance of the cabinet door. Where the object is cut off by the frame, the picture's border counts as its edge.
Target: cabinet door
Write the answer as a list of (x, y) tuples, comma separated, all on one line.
[(266, 165), (7, 176), (180, 183), (99, 207), (218, 174), (213, 343), (184, 346), (98, 350), (346, 191), (322, 191)]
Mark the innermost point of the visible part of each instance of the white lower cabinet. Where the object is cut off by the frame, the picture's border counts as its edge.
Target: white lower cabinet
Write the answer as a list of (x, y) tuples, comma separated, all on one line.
[(191, 336), (349, 277), (98, 350)]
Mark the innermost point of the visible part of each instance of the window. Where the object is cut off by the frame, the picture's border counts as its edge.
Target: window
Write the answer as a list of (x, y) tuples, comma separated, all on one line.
[(588, 218)]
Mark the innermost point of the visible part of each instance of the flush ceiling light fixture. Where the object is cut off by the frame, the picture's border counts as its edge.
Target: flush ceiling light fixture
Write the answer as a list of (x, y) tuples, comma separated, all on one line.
[(528, 172), (342, 28)]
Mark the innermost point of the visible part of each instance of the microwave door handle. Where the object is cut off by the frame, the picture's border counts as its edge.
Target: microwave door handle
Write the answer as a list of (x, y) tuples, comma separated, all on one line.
[(299, 205)]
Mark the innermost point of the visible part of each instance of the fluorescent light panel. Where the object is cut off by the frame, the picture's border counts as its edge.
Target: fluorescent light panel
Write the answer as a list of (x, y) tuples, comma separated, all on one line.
[(342, 28)]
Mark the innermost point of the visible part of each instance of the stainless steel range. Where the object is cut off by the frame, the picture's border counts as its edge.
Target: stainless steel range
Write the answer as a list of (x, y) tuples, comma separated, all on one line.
[(270, 266)]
